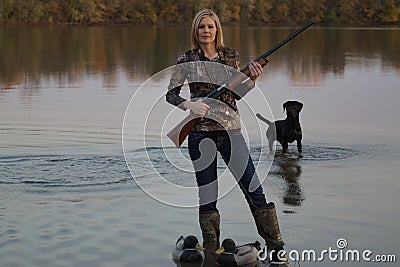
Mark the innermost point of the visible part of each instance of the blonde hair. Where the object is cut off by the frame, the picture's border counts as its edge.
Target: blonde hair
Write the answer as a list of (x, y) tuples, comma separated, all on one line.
[(219, 40)]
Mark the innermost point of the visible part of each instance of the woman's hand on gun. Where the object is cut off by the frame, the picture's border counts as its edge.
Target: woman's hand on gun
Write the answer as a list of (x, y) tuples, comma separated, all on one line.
[(197, 107)]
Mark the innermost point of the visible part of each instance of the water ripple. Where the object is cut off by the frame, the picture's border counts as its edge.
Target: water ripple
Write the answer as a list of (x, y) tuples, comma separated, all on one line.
[(48, 173)]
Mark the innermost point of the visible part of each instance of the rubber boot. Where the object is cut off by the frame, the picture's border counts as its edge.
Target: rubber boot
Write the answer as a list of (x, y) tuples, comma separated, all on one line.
[(210, 258), (209, 225), (268, 228)]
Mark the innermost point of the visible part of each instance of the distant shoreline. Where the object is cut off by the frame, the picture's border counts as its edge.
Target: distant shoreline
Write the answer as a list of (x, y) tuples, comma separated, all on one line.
[(272, 25), (353, 13)]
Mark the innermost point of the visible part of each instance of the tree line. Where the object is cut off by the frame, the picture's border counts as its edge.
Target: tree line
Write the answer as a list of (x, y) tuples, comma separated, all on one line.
[(244, 12)]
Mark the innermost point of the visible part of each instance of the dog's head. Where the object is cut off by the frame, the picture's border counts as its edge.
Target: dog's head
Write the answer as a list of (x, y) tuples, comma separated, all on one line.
[(292, 108)]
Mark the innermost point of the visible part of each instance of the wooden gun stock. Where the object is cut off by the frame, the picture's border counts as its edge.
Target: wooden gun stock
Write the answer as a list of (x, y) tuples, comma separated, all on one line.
[(178, 133)]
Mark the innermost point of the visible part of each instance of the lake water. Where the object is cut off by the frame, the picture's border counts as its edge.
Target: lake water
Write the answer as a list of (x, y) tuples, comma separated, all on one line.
[(68, 197)]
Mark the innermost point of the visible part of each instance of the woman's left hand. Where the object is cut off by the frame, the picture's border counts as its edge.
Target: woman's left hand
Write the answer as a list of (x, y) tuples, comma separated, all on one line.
[(255, 70)]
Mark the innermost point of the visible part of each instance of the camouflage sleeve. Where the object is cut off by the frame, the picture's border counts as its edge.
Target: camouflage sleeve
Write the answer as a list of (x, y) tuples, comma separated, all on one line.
[(178, 77)]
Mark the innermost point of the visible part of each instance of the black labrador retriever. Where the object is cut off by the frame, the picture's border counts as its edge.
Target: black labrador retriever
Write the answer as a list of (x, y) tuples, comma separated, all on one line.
[(288, 130)]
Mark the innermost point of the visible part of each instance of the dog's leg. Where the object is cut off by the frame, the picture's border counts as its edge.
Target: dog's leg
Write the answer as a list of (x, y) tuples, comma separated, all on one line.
[(285, 146), (299, 146), (271, 144)]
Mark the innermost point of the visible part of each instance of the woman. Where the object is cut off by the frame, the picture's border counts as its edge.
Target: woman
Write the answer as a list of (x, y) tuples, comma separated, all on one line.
[(222, 131)]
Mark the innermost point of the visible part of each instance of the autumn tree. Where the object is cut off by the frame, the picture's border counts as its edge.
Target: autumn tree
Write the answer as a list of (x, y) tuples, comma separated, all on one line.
[(246, 12), (261, 13)]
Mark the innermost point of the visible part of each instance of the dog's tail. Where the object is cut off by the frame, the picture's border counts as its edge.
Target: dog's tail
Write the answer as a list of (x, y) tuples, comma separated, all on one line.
[(263, 119)]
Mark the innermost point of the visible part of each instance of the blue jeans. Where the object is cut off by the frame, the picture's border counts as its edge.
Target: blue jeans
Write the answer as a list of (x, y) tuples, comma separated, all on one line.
[(233, 149)]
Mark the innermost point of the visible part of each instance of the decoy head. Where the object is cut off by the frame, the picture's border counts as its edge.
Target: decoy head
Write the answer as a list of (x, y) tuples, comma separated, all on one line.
[(228, 245), (191, 242)]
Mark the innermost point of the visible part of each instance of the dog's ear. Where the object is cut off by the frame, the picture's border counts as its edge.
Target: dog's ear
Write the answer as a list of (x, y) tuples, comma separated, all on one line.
[(300, 105), (285, 105)]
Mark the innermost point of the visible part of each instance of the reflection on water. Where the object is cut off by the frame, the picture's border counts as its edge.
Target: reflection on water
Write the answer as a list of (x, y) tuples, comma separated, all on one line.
[(32, 56), (290, 171), (288, 167), (70, 86)]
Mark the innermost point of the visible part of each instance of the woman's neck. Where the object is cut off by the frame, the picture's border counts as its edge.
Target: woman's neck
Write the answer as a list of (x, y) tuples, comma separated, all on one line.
[(210, 51)]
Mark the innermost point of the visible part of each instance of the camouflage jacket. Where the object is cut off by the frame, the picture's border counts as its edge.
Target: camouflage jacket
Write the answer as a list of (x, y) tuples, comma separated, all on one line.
[(204, 75)]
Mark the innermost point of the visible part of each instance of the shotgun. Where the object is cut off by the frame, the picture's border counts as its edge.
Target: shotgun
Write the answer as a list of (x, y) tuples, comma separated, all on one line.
[(178, 133)]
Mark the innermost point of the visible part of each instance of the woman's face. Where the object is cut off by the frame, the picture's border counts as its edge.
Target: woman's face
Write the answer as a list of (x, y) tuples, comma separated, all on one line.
[(206, 31)]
